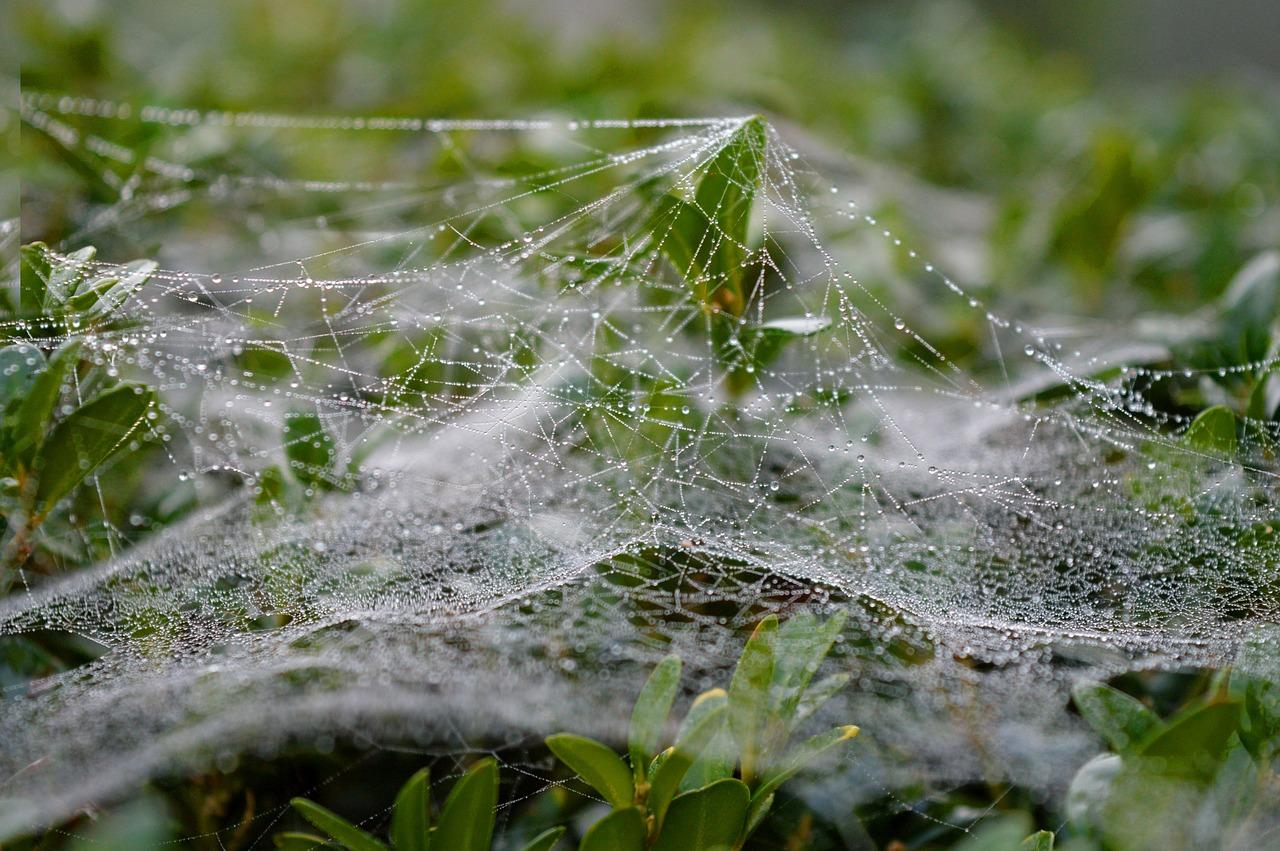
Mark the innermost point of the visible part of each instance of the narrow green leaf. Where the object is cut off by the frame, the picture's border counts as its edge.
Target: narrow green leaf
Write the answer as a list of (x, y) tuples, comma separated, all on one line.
[(336, 826), (466, 819), (86, 438), (756, 813), (1213, 431), (309, 449), (293, 841), (598, 766), (620, 830), (725, 195), (1115, 716), (546, 840), (800, 756), (709, 818), (1041, 840), (749, 692), (706, 240), (35, 413), (667, 778), (650, 714), (411, 817)]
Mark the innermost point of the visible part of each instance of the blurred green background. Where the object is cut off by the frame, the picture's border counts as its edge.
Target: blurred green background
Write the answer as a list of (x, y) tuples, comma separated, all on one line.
[(1078, 146)]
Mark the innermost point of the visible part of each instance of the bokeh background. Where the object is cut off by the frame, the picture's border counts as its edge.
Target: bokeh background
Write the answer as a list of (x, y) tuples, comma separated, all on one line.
[(1075, 145)]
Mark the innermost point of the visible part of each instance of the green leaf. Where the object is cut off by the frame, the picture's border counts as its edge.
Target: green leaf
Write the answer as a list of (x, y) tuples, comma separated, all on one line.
[(756, 813), (411, 817), (292, 841), (1250, 306), (706, 240), (1213, 431), (620, 830), (34, 278), (309, 449), (336, 826), (816, 695), (650, 714), (1194, 743), (764, 342), (803, 643), (798, 758), (65, 276), (1091, 789), (666, 779), (19, 366), (598, 766), (546, 840), (684, 236), (1041, 840), (1260, 724), (725, 196), (1264, 399), (718, 757), (1122, 721), (709, 818), (35, 413), (86, 438), (749, 693), (466, 819), (108, 294)]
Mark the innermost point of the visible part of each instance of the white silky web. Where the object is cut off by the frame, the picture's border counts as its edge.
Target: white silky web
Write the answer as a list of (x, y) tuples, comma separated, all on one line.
[(545, 485)]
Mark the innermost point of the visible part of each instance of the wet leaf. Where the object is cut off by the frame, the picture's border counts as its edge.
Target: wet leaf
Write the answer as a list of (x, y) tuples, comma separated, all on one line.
[(597, 765), (466, 819)]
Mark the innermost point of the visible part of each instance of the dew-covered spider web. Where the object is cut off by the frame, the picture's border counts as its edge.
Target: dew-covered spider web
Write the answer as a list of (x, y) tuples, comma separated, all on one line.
[(469, 448)]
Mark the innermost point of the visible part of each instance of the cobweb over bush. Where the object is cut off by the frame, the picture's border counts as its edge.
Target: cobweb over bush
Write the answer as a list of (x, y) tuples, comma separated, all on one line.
[(480, 430)]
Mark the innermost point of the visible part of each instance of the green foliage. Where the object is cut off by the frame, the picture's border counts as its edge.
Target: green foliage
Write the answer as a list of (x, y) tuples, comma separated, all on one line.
[(62, 416), (465, 821), (648, 808), (1219, 748), (687, 793)]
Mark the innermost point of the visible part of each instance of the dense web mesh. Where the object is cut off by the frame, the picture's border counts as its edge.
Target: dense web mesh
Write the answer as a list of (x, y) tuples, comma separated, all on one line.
[(541, 463)]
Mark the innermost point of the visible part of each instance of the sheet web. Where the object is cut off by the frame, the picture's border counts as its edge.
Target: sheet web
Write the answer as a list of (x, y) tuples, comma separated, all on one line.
[(552, 464)]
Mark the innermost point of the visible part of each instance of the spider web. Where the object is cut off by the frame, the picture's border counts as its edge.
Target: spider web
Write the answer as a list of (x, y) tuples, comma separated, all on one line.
[(541, 482)]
